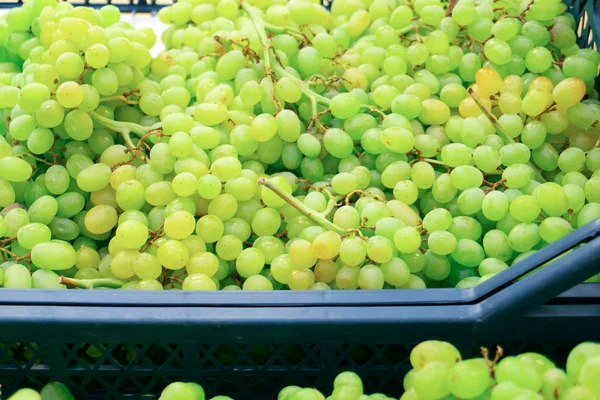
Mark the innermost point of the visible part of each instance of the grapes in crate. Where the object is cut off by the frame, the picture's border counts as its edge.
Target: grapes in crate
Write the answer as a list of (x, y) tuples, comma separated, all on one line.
[(277, 145)]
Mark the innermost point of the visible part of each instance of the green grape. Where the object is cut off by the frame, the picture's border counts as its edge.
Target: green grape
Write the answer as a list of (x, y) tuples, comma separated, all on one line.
[(441, 242), (21, 127), (469, 379), (552, 199), (69, 65), (513, 370), (371, 277), (538, 59), (430, 380), (257, 282), (344, 105), (465, 228), (438, 219), (326, 245), (17, 276), (491, 266), (408, 105), (338, 143), (97, 56), (554, 228), (15, 169), (468, 253), (437, 267), (43, 210), (464, 177), (173, 254), (31, 234), (406, 191), (525, 208), (470, 201), (495, 205), (53, 255), (353, 251), (523, 237), (263, 127)]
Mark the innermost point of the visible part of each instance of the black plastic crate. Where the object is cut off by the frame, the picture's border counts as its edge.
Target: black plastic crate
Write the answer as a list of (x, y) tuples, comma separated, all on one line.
[(106, 343), (124, 344)]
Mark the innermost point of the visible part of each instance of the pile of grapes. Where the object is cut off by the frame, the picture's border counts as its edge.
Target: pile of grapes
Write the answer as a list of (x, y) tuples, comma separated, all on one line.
[(277, 145), (438, 373)]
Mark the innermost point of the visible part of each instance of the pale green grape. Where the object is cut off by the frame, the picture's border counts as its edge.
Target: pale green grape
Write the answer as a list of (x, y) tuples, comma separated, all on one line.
[(469, 379)]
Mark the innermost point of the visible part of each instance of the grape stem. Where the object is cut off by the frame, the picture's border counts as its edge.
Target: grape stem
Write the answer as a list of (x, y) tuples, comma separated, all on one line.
[(493, 186), (278, 70), (119, 126), (35, 158), (282, 30), (526, 10), (118, 98), (124, 128), (259, 25), (92, 283), (430, 161), (499, 129), (333, 200), (10, 253), (311, 214)]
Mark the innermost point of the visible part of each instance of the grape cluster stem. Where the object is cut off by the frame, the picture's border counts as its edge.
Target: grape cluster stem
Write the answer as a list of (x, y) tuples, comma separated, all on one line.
[(494, 186), (118, 98), (499, 129), (492, 364), (35, 158), (319, 218), (92, 283), (275, 69), (124, 129)]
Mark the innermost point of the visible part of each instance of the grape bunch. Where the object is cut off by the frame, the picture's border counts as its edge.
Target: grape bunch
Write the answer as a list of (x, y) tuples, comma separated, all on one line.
[(277, 145), (439, 373)]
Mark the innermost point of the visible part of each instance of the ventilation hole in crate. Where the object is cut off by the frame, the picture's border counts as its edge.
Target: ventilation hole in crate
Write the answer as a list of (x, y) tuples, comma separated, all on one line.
[(138, 356), (399, 353), (98, 355), (23, 355), (224, 354), (205, 358), (166, 356), (353, 356), (285, 356), (363, 356)]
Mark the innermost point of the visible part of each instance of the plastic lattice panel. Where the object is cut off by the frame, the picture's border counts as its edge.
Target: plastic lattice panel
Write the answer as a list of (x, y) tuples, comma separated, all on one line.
[(243, 371), (110, 370)]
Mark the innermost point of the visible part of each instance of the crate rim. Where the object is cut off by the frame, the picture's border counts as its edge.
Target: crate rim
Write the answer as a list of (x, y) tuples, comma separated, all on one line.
[(111, 297), (145, 316)]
